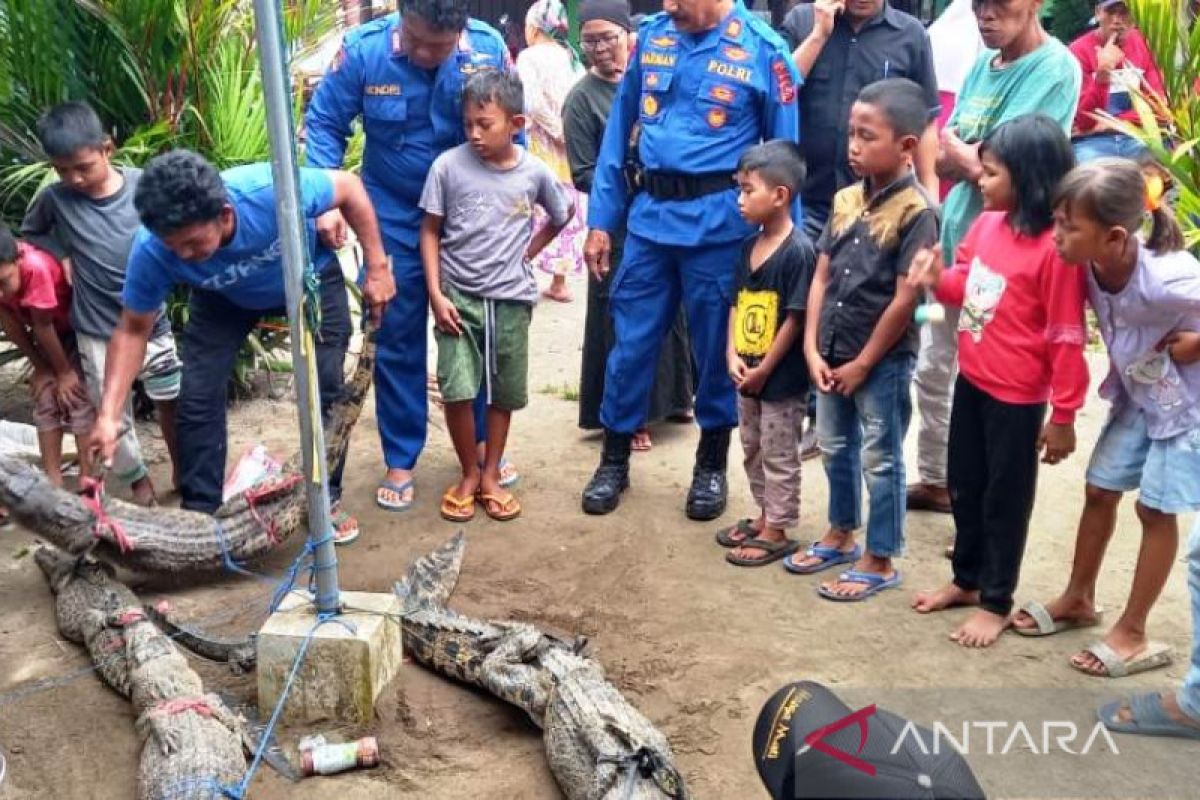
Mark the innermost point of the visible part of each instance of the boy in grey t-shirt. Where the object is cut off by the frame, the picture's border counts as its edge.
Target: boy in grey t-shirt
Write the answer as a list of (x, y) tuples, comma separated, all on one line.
[(476, 242), (88, 218)]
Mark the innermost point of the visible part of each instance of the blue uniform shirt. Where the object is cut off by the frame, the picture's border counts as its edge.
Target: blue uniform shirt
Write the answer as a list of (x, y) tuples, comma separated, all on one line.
[(410, 114), (701, 100), (248, 270)]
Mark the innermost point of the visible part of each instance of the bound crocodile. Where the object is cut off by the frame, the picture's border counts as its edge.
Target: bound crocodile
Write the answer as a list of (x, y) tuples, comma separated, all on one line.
[(158, 540), (598, 745), (193, 744)]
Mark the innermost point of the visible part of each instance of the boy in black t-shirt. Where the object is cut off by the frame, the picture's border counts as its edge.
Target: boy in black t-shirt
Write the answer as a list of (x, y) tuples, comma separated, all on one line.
[(766, 350)]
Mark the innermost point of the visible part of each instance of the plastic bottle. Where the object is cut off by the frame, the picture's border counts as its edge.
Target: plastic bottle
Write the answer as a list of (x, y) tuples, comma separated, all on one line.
[(329, 759)]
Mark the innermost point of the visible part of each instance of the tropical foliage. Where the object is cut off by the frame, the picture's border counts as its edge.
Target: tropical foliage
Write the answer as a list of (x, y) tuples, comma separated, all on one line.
[(1170, 126), (161, 73)]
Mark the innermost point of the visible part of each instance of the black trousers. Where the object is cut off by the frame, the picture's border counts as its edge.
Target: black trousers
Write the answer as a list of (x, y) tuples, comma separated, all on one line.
[(992, 466), (215, 331)]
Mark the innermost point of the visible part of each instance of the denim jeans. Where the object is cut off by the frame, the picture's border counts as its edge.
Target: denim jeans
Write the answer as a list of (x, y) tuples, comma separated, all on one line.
[(862, 438), (215, 331), (1189, 693), (1106, 145)]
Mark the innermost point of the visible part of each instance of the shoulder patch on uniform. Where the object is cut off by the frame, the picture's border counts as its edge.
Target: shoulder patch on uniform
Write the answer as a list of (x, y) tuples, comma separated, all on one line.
[(339, 58), (783, 80), (733, 29)]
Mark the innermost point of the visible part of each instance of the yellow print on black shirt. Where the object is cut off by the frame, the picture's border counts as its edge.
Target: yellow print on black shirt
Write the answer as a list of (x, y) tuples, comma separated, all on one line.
[(754, 322)]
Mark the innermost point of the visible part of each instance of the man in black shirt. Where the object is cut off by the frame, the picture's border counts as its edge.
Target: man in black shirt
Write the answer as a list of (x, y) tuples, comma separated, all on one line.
[(840, 46)]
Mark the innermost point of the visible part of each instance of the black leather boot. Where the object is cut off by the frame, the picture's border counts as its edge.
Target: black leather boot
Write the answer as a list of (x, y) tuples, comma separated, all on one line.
[(706, 498), (603, 492)]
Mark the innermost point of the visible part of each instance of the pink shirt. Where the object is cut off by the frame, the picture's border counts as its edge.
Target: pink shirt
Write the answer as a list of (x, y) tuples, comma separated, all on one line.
[(1021, 331), (43, 286)]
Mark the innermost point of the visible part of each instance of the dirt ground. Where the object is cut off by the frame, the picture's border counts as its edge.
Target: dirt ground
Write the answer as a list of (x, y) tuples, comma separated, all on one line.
[(698, 645)]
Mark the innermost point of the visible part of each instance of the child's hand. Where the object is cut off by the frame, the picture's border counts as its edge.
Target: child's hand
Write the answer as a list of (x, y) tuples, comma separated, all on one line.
[(926, 268), (1182, 346), (849, 377), (69, 388), (445, 315), (737, 369), (39, 379), (820, 372), (754, 380), (1058, 442)]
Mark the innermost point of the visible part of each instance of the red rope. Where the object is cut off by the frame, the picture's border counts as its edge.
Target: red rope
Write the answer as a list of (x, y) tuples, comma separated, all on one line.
[(92, 494), (170, 708), (263, 489)]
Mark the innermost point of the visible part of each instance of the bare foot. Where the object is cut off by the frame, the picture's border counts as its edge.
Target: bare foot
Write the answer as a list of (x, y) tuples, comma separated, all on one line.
[(641, 440), (981, 630), (143, 492), (842, 540), (949, 596), (1125, 643), (1170, 704), (1063, 607), (735, 533)]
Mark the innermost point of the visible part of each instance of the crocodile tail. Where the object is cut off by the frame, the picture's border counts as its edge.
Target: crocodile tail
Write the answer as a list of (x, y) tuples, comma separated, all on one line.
[(432, 578), (345, 412)]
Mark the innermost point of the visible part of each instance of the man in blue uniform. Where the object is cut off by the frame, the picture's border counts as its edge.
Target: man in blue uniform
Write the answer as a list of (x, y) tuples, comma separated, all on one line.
[(709, 81), (403, 74)]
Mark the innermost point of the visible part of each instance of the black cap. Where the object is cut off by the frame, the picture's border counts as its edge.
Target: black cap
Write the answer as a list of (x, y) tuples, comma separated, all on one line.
[(809, 744), (614, 11)]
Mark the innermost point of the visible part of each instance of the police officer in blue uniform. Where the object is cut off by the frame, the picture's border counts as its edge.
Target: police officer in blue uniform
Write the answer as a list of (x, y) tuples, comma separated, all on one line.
[(403, 74), (710, 80)]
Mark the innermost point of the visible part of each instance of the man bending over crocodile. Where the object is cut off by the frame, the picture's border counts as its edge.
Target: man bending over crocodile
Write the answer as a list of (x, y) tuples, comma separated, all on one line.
[(216, 232)]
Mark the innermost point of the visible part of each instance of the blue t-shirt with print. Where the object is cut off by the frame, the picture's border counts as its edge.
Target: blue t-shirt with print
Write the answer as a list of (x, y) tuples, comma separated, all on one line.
[(248, 270)]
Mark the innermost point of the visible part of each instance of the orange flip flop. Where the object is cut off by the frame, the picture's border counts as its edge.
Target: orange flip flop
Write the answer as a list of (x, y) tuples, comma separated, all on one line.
[(457, 509), (506, 508)]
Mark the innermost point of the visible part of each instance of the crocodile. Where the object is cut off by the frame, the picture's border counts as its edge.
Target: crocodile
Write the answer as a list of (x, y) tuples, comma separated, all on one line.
[(193, 745), (599, 747), (158, 540), (240, 654)]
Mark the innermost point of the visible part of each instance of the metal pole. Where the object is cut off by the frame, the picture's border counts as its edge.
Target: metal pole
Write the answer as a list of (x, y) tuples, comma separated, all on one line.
[(294, 244)]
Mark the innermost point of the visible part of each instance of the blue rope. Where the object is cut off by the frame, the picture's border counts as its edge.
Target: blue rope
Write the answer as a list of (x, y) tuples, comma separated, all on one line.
[(238, 792)]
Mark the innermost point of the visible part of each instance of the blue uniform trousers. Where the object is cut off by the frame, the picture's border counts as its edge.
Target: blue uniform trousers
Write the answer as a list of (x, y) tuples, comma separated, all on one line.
[(215, 331), (644, 299), (401, 400)]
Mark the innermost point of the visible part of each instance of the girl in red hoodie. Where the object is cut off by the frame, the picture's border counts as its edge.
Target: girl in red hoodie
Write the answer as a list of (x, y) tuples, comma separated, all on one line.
[(1020, 337)]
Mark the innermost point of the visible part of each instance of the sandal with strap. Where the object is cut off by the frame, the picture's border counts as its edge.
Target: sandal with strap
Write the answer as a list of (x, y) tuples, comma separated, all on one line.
[(724, 537), (345, 525), (772, 551), (1046, 625), (501, 509), (457, 509), (830, 557)]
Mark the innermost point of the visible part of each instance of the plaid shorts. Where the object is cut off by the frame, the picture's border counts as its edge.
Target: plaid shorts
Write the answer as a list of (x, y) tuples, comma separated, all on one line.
[(75, 416)]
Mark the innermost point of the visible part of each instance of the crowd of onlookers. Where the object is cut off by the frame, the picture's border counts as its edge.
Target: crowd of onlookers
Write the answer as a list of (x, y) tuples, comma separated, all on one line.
[(784, 231)]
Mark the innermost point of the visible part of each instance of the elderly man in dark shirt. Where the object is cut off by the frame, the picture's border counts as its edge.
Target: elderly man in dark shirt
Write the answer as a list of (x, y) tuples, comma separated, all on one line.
[(840, 46)]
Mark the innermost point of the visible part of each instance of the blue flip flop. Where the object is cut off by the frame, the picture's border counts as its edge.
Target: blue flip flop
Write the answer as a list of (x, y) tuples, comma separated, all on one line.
[(830, 557), (874, 582), (399, 489), (1148, 718)]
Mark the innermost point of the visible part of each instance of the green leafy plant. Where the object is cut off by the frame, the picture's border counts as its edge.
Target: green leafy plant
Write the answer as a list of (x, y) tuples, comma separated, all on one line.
[(1170, 126), (162, 74)]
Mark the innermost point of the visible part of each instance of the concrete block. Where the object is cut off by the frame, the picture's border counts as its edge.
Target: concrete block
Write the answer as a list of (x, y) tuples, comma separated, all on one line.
[(348, 663)]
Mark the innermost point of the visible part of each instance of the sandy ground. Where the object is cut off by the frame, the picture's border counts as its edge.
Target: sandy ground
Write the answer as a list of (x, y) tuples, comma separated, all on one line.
[(697, 644)]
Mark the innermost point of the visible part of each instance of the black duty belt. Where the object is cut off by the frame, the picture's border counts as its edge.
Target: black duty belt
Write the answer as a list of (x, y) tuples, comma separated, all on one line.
[(678, 186)]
